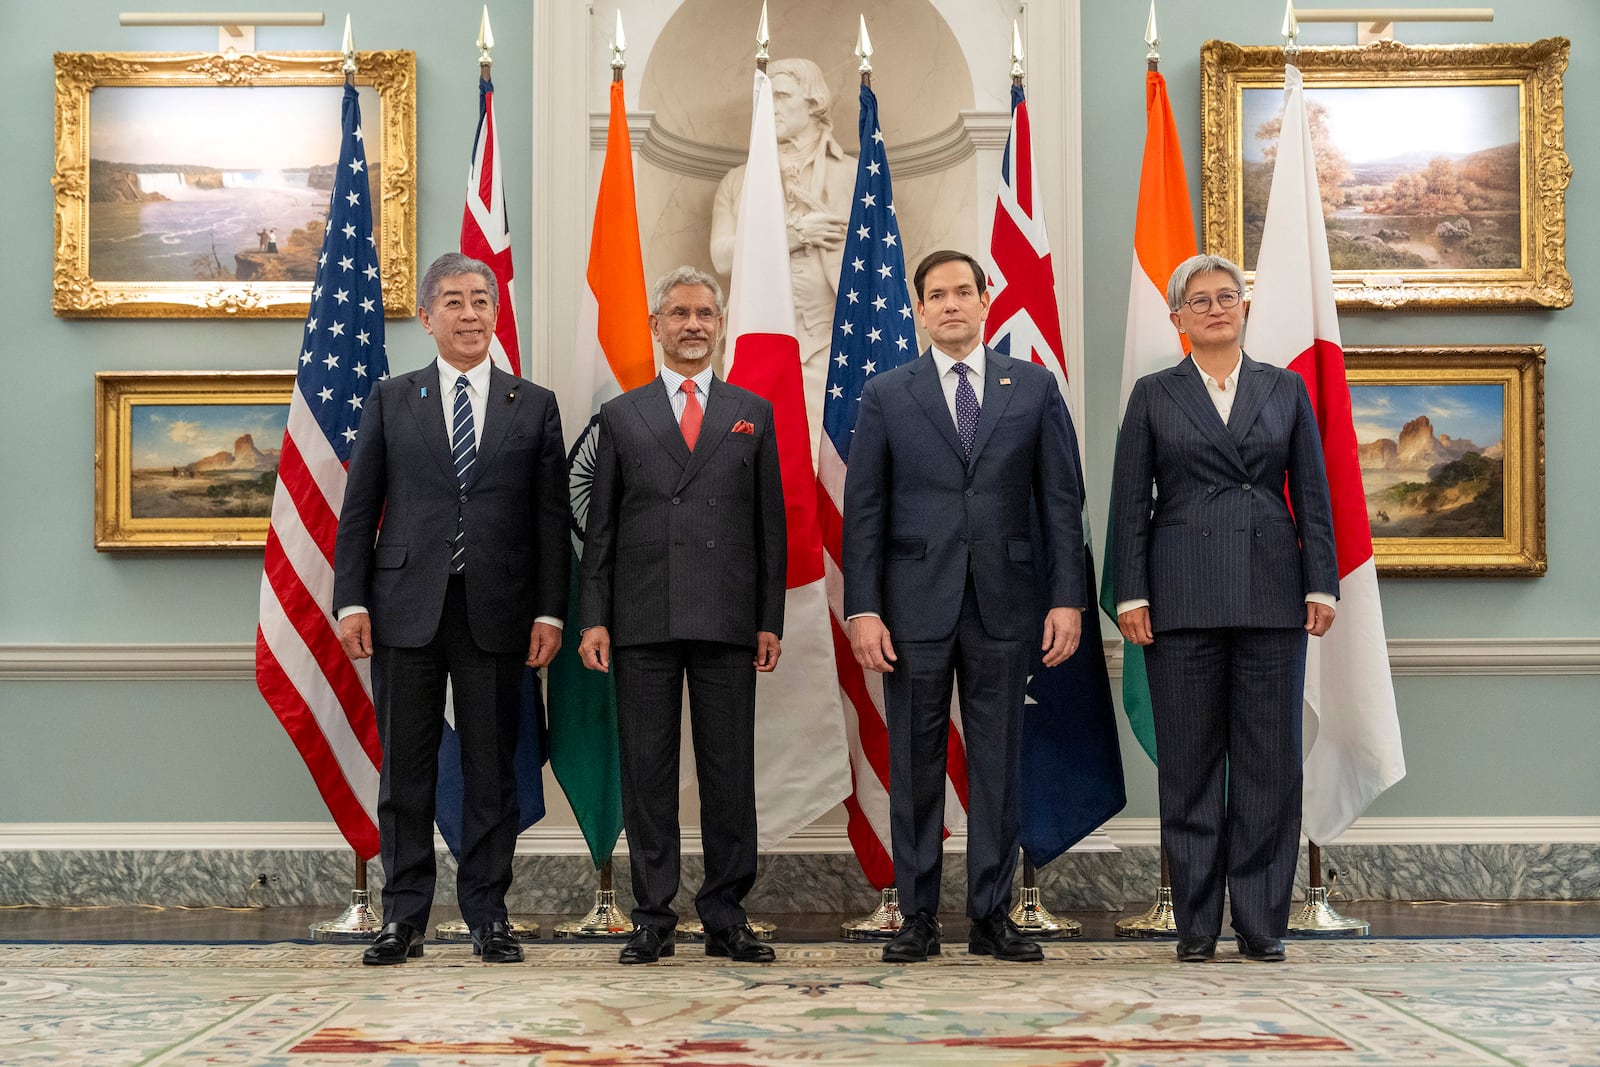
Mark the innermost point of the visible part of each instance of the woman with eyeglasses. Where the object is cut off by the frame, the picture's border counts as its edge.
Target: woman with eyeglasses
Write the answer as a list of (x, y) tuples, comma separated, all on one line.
[(1223, 546)]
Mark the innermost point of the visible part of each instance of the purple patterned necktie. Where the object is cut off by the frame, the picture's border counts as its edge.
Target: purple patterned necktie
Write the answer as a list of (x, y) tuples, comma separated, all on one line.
[(967, 409)]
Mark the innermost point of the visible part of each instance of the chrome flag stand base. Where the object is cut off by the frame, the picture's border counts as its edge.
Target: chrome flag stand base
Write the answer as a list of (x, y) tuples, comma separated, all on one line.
[(359, 922), (1159, 921), (1035, 920), (1317, 918), (882, 924), (695, 930), (456, 930), (605, 921)]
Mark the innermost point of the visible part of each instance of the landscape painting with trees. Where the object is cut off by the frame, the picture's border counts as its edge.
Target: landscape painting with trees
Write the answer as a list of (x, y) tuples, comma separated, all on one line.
[(1413, 179)]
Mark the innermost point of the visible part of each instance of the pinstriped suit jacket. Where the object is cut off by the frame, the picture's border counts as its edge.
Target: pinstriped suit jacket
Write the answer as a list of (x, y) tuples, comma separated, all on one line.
[(685, 545), (1200, 524)]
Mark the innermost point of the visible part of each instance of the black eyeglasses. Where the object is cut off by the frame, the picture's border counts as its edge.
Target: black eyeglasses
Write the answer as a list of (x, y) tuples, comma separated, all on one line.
[(1226, 299)]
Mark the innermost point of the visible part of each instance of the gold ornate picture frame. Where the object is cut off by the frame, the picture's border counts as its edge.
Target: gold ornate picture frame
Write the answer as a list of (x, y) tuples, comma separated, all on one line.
[(187, 459), (1443, 168), (196, 186), (1452, 458)]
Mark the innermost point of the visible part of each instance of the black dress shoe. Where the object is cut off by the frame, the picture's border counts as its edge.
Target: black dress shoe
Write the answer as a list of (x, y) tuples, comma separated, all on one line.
[(1261, 948), (996, 935), (396, 943), (648, 944), (1196, 949), (738, 943), (917, 940), (496, 943)]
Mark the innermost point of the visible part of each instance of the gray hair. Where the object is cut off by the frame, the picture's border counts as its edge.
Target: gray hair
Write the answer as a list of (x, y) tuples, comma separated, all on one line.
[(448, 266), (812, 85), (684, 275), (1201, 264)]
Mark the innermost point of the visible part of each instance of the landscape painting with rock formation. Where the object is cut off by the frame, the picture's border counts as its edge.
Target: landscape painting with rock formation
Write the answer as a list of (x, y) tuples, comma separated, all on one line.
[(192, 183), (1432, 459), (204, 461), (1413, 178)]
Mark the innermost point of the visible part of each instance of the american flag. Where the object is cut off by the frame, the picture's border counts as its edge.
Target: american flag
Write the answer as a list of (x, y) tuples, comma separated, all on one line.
[(322, 698), (873, 331), (1071, 776), (485, 230)]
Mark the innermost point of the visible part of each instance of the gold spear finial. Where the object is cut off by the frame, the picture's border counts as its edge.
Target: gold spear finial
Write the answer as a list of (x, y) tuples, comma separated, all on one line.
[(485, 39), (1152, 39), (619, 46), (1291, 30), (864, 51), (349, 50), (763, 38)]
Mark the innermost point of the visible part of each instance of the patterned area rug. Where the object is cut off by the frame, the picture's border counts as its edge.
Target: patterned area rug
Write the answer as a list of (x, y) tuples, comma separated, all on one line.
[(1454, 1002)]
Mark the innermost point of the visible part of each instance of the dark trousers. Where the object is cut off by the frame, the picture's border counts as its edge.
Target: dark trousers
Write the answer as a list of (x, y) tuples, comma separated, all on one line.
[(991, 676), (1227, 711), (722, 715), (409, 689)]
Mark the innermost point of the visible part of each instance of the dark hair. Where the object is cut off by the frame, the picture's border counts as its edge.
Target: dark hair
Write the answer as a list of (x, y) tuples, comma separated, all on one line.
[(448, 266), (947, 255)]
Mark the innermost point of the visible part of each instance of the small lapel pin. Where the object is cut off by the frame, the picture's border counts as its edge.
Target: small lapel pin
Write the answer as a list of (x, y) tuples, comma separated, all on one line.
[(424, 392), (1005, 381), (511, 396)]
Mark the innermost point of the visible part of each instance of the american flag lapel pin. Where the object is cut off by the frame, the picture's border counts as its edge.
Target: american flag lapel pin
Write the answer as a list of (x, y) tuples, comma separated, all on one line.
[(1005, 381)]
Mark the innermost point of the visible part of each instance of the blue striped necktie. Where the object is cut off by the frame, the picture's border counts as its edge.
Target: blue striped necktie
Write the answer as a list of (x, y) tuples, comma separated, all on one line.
[(463, 452)]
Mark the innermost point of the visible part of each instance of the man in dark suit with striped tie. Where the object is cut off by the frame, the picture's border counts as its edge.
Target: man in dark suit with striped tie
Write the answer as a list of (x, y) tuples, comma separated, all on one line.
[(954, 454), (684, 577), (452, 562)]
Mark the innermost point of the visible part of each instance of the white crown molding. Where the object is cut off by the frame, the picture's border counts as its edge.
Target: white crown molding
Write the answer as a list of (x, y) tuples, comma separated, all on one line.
[(1408, 657), (1117, 834)]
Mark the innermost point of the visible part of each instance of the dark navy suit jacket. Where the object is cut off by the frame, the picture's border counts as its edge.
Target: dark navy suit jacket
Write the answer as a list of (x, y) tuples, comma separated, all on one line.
[(918, 516), (515, 514), (1201, 526)]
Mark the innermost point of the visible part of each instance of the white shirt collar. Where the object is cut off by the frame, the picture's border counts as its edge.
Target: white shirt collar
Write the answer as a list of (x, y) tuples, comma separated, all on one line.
[(674, 381), (974, 365), (477, 377)]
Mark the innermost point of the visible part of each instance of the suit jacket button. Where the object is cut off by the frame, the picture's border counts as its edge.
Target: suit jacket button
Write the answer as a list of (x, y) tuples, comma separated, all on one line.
[(674, 500), (1245, 487), (1205, 532), (463, 498), (1211, 489), (1258, 531), (711, 544), (711, 502), (972, 492)]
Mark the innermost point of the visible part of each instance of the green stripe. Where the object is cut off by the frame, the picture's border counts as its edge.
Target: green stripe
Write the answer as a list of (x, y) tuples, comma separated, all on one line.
[(1135, 683)]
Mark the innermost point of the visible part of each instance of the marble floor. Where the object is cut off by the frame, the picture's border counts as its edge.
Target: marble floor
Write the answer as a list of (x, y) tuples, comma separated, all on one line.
[(1387, 918)]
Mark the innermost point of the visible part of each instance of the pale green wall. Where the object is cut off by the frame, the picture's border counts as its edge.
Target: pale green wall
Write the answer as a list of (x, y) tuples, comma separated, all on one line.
[(211, 751)]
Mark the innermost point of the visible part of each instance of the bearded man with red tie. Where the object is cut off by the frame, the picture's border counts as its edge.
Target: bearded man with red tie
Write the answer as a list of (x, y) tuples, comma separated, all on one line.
[(683, 577)]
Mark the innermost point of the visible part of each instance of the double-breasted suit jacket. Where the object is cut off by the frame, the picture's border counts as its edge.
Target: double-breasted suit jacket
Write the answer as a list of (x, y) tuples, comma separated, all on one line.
[(1202, 529), (398, 527), (685, 545)]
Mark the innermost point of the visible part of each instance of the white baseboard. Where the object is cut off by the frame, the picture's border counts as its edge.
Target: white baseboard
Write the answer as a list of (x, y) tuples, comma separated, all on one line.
[(1408, 657), (568, 841)]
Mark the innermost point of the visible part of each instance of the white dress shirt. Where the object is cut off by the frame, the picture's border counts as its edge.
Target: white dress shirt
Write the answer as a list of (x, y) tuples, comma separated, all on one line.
[(674, 385), (1222, 394), (949, 379)]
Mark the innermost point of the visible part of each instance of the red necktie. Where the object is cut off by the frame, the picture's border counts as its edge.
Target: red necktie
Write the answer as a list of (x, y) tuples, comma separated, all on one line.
[(689, 423)]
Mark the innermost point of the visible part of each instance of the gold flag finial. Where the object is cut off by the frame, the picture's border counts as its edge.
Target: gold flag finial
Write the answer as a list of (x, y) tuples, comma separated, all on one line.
[(485, 39), (349, 50), (763, 38), (619, 47), (864, 47)]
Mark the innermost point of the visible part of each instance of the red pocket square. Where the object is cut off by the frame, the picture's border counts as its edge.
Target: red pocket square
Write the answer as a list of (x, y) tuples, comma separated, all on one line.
[(744, 426)]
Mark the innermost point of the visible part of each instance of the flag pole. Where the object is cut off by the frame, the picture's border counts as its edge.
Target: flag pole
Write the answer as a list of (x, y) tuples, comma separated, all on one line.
[(1029, 913), (360, 921), (883, 921), (456, 929), (1159, 920), (1317, 918)]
